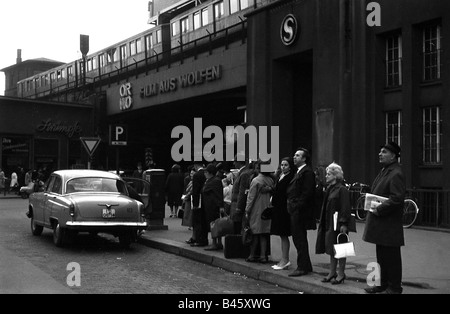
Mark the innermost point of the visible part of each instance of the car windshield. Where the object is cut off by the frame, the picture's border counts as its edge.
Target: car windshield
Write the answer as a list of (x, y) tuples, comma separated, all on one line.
[(96, 185)]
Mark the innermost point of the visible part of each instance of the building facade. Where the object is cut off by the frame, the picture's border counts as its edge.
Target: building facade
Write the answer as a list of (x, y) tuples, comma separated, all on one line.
[(339, 77)]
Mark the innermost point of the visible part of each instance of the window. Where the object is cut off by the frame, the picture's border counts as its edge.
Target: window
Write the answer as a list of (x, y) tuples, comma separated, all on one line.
[(123, 52), (197, 20), (112, 55), (70, 71), (158, 36), (133, 48), (234, 6), (432, 136), (175, 28), (393, 127), (432, 38), (52, 77), (244, 4), (149, 42), (394, 61), (184, 25), (205, 17), (138, 45), (218, 10), (101, 60), (57, 186)]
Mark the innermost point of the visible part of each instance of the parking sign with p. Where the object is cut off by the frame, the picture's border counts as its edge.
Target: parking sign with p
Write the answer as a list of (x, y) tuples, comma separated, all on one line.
[(118, 135)]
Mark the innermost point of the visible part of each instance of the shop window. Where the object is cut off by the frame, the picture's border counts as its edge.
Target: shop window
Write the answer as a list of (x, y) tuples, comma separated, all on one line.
[(394, 61), (432, 52), (432, 136)]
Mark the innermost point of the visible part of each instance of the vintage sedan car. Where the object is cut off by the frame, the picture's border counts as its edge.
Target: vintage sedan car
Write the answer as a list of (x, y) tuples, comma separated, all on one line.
[(91, 201)]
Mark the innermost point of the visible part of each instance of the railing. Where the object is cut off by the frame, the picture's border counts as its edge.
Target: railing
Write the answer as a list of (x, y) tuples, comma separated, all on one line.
[(434, 207)]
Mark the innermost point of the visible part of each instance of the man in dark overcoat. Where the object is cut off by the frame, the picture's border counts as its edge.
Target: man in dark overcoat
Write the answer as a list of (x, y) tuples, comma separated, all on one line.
[(239, 192), (198, 180), (300, 205), (384, 224)]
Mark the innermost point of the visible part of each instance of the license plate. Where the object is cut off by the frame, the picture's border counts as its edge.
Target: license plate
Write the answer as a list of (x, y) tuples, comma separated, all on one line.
[(109, 213)]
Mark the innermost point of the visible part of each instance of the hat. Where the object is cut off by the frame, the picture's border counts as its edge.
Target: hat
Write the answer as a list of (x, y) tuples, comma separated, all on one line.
[(394, 148)]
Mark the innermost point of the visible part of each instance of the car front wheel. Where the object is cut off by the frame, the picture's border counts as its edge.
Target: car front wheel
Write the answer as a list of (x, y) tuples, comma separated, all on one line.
[(58, 235), (36, 230)]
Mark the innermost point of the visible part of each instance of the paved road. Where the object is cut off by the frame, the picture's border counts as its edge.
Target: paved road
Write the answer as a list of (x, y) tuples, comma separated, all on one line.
[(31, 264)]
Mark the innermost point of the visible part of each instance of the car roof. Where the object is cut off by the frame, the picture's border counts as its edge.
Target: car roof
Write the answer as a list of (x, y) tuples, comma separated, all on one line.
[(80, 173)]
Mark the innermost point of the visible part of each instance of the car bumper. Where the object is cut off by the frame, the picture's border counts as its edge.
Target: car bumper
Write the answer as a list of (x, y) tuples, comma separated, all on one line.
[(87, 225)]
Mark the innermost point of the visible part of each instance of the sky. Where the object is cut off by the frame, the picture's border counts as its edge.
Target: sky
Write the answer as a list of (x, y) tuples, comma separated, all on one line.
[(51, 28)]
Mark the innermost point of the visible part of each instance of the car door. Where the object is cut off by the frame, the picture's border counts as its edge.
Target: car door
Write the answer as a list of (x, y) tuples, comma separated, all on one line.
[(142, 188), (47, 205)]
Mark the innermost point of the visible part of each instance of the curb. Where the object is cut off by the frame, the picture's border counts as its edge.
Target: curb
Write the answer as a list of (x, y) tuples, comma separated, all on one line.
[(308, 285)]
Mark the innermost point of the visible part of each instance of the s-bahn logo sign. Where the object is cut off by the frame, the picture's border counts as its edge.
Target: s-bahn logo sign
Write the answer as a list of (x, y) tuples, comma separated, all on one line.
[(289, 30)]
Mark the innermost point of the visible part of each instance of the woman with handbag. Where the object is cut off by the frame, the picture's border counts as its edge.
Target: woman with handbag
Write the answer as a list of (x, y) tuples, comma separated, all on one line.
[(334, 219), (258, 199)]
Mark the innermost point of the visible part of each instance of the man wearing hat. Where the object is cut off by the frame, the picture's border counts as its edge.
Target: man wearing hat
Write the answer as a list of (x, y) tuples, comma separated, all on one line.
[(384, 224)]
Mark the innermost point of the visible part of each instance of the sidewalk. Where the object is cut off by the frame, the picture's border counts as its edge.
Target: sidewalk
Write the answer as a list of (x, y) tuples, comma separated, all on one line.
[(426, 261)]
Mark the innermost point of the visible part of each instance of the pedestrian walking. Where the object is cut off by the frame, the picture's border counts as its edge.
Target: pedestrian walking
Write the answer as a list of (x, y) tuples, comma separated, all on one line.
[(281, 221), (384, 223), (258, 199), (13, 186), (174, 190), (300, 205), (212, 204), (336, 202)]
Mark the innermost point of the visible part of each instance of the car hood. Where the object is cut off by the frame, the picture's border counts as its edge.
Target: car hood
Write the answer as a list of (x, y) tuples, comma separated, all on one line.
[(92, 205)]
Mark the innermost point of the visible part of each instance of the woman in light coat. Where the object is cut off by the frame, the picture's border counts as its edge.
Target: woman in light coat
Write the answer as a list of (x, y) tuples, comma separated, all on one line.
[(258, 199)]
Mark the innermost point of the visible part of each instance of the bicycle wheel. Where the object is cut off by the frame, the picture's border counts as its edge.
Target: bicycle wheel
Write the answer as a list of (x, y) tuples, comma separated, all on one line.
[(410, 211), (359, 208)]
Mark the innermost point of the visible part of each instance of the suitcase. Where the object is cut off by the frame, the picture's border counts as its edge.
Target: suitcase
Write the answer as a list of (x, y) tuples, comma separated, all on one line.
[(233, 247)]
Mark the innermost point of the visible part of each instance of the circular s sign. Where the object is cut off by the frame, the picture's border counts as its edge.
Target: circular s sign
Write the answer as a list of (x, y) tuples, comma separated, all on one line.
[(289, 30)]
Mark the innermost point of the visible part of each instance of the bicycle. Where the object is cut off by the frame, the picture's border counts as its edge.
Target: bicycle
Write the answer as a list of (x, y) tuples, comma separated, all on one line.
[(409, 216), (358, 208), (410, 213)]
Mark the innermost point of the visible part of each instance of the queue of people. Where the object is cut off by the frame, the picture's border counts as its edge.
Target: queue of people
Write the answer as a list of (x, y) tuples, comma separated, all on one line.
[(301, 202)]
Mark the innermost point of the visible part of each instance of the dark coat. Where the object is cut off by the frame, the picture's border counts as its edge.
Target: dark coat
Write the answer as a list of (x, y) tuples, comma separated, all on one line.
[(174, 188), (386, 228), (337, 199), (239, 193), (212, 199), (198, 180), (301, 197), (281, 223)]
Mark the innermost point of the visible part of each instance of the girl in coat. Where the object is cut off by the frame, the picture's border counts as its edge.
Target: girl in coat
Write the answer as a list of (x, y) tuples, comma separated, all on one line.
[(336, 200)]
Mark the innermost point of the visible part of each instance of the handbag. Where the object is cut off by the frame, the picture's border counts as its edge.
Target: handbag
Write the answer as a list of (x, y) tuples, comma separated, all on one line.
[(267, 213), (221, 227), (247, 236), (343, 250)]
